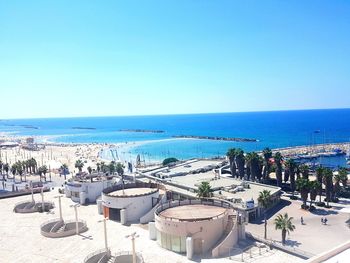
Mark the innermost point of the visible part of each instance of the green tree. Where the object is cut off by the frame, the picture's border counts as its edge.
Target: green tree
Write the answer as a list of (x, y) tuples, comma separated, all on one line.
[(42, 171), (343, 176), (231, 154), (14, 171), (64, 170), (79, 164), (169, 160), (204, 190), (267, 153), (328, 182), (284, 223), (314, 188), (248, 159), (319, 178), (112, 167), (278, 161), (303, 187), (304, 169), (254, 166), (240, 161), (289, 173), (265, 201)]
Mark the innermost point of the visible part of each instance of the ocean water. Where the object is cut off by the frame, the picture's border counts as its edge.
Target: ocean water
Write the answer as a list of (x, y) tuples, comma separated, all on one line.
[(271, 129)]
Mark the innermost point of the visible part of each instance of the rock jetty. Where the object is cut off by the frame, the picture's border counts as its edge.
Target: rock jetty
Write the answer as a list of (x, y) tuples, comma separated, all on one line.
[(140, 130), (215, 138)]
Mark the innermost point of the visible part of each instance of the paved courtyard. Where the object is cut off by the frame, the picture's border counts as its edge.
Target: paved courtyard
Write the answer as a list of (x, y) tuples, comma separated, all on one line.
[(312, 236), (21, 241)]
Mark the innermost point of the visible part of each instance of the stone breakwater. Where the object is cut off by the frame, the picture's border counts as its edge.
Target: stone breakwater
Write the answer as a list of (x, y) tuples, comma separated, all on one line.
[(215, 138), (308, 149), (143, 131)]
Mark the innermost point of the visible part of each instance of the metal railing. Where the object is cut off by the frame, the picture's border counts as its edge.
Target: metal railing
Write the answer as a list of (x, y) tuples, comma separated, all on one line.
[(100, 251), (212, 202), (118, 187)]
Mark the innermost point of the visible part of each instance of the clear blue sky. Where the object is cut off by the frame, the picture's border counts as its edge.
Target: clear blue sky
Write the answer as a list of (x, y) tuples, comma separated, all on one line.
[(92, 58)]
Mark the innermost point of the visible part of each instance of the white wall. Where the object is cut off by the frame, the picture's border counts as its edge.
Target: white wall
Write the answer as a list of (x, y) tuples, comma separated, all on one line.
[(135, 206)]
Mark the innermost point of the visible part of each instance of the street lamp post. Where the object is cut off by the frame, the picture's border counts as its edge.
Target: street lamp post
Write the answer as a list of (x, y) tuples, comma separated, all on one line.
[(105, 232), (133, 236), (59, 206), (76, 218), (42, 199)]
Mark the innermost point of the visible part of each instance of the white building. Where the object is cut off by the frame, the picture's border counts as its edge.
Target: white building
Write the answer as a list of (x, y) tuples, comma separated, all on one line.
[(88, 188), (133, 202)]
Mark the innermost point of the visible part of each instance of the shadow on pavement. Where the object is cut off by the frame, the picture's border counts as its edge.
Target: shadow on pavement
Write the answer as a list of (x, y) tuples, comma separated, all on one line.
[(271, 212), (323, 212)]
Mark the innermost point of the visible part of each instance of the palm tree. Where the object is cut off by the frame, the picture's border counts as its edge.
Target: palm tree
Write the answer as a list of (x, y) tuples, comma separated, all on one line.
[(284, 223), (289, 173), (98, 167), (319, 178), (43, 170), (265, 201), (19, 168), (120, 171), (304, 169), (328, 182), (248, 159), (303, 187), (278, 161), (64, 170), (79, 164), (231, 154), (254, 165), (343, 174), (204, 190), (267, 153), (13, 171), (90, 171), (240, 161), (112, 167), (6, 167), (314, 188)]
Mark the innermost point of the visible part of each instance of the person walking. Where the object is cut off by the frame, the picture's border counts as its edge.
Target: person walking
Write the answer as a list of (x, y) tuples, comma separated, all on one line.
[(302, 220), (322, 221), (325, 220)]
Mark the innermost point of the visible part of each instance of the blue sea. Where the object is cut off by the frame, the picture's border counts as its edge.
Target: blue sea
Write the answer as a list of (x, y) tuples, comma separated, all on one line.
[(272, 129)]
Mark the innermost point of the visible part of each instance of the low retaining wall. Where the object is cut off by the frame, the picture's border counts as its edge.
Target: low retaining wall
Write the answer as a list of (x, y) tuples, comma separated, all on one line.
[(330, 253)]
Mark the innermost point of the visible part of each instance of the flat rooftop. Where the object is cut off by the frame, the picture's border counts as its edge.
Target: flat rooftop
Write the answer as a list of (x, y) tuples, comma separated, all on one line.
[(133, 192), (186, 167), (193, 212)]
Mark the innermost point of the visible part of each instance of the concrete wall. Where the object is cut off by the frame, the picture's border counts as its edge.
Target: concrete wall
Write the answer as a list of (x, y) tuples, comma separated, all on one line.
[(135, 206), (230, 240), (92, 190), (210, 231), (149, 216), (330, 253)]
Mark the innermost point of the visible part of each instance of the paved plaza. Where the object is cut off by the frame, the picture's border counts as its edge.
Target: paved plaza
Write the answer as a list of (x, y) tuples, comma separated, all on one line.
[(21, 241), (313, 236)]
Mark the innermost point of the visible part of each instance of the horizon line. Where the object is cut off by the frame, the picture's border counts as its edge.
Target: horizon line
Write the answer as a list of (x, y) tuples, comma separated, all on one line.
[(171, 114)]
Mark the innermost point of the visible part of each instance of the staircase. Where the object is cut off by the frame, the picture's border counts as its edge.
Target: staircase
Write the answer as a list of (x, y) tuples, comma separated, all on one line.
[(61, 229), (228, 237), (229, 225)]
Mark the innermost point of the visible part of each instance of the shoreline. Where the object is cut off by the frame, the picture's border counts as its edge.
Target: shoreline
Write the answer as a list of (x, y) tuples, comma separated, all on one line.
[(125, 148)]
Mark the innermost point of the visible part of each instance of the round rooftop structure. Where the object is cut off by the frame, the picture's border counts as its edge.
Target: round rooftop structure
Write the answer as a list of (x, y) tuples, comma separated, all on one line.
[(176, 221), (195, 212), (131, 202)]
